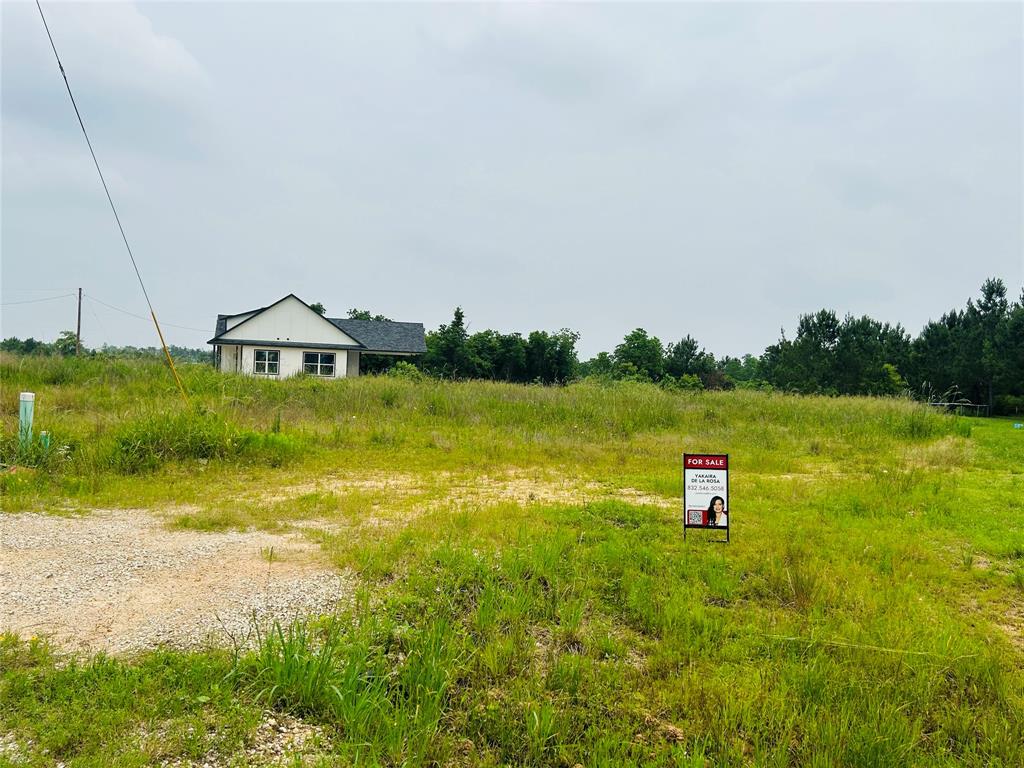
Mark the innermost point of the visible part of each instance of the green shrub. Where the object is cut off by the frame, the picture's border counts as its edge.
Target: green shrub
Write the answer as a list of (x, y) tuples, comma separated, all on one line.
[(145, 444), (50, 458), (272, 448), (404, 370)]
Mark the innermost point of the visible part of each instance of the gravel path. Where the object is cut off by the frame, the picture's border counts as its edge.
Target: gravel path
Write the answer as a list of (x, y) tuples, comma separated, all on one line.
[(119, 581)]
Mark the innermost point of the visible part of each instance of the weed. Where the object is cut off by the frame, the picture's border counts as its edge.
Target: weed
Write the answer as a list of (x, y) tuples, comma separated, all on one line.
[(293, 670), (967, 559), (1017, 577)]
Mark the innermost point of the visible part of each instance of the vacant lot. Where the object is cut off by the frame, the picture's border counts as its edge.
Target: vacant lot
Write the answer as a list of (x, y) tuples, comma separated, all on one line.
[(495, 574), (130, 580)]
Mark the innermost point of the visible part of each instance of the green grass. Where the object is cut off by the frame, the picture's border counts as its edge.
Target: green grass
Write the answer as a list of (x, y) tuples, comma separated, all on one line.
[(862, 615)]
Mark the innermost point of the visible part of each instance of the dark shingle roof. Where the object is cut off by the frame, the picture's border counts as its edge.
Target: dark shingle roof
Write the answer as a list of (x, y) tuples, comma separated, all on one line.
[(372, 335), (384, 335)]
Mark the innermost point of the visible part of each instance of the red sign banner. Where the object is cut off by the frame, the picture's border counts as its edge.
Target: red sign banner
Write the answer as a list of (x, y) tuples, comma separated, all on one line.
[(706, 461)]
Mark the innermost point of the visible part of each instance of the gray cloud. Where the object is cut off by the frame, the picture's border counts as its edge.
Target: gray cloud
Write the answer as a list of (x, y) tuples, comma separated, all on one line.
[(712, 170)]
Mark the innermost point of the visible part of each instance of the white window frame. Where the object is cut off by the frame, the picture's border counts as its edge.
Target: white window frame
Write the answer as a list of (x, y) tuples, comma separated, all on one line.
[(319, 366), (267, 362)]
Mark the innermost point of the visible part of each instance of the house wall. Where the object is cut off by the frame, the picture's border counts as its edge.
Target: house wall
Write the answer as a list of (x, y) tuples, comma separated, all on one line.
[(290, 361), (289, 320), (231, 322), (229, 358)]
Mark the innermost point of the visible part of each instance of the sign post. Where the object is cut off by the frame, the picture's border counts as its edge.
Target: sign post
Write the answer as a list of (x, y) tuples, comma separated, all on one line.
[(706, 492)]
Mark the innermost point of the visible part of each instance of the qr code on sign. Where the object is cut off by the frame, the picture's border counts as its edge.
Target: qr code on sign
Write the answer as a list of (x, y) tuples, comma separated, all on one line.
[(695, 517)]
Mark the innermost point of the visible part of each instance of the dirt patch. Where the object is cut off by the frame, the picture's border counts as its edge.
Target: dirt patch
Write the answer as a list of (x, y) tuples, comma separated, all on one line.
[(121, 582), (279, 740), (393, 484), (517, 486), (526, 487), (11, 749), (1012, 624), (399, 499)]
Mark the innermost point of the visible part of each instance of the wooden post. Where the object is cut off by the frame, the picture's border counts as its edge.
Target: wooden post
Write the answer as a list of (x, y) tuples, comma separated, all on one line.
[(78, 330)]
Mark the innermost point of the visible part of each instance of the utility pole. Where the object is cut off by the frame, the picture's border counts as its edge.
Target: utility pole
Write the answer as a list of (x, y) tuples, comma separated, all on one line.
[(78, 330)]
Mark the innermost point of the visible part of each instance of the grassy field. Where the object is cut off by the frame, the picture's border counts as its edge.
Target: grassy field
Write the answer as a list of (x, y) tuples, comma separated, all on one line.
[(868, 611)]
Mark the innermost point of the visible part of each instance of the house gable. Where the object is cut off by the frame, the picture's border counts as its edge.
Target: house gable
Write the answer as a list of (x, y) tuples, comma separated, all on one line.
[(288, 320), (232, 320)]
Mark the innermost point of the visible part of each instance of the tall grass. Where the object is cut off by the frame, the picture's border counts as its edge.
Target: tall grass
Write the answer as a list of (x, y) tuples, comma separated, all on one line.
[(863, 615), (385, 685), (149, 440), (128, 411)]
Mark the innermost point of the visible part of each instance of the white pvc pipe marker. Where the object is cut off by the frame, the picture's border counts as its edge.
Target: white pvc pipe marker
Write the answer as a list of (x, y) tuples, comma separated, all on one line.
[(28, 403)]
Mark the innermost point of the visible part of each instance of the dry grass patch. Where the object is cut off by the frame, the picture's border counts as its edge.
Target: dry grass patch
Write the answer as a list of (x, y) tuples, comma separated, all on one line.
[(949, 452)]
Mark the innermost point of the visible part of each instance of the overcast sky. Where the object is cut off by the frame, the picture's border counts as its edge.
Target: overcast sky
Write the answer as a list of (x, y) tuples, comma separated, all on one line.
[(712, 170)]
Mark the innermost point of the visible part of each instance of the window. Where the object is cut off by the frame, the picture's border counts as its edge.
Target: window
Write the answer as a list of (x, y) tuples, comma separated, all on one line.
[(318, 363), (267, 361)]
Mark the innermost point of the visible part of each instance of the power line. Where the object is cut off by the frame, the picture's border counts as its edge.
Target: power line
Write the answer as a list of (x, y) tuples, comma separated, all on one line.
[(36, 301), (108, 306), (141, 317), (92, 152), (99, 322), (111, 201)]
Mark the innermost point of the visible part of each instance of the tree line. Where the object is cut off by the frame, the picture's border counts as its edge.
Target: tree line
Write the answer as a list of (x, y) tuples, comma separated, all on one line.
[(973, 354), (64, 345)]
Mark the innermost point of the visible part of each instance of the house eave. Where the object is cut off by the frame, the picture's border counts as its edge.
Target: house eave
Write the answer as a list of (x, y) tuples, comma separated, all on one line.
[(218, 340), (279, 343)]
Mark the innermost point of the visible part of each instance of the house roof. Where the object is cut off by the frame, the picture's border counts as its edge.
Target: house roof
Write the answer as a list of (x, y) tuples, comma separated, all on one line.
[(384, 336)]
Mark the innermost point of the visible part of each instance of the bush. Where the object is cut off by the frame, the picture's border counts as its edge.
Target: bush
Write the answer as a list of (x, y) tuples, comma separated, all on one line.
[(272, 448), (404, 370), (145, 444), (687, 382), (35, 454)]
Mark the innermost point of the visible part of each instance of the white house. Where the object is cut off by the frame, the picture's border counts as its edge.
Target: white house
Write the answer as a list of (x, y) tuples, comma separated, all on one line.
[(288, 337)]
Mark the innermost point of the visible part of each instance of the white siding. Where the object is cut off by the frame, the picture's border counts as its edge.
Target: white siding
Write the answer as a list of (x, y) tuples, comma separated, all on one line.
[(290, 320), (290, 361), (231, 322), (229, 358)]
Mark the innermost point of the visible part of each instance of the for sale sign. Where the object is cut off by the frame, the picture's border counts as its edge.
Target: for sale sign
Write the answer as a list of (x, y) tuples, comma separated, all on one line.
[(706, 491)]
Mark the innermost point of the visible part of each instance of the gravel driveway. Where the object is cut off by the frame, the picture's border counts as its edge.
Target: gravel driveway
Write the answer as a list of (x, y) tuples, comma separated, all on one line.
[(119, 581)]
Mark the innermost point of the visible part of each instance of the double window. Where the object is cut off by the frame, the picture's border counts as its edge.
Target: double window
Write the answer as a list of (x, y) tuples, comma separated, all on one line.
[(267, 361), (318, 363)]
